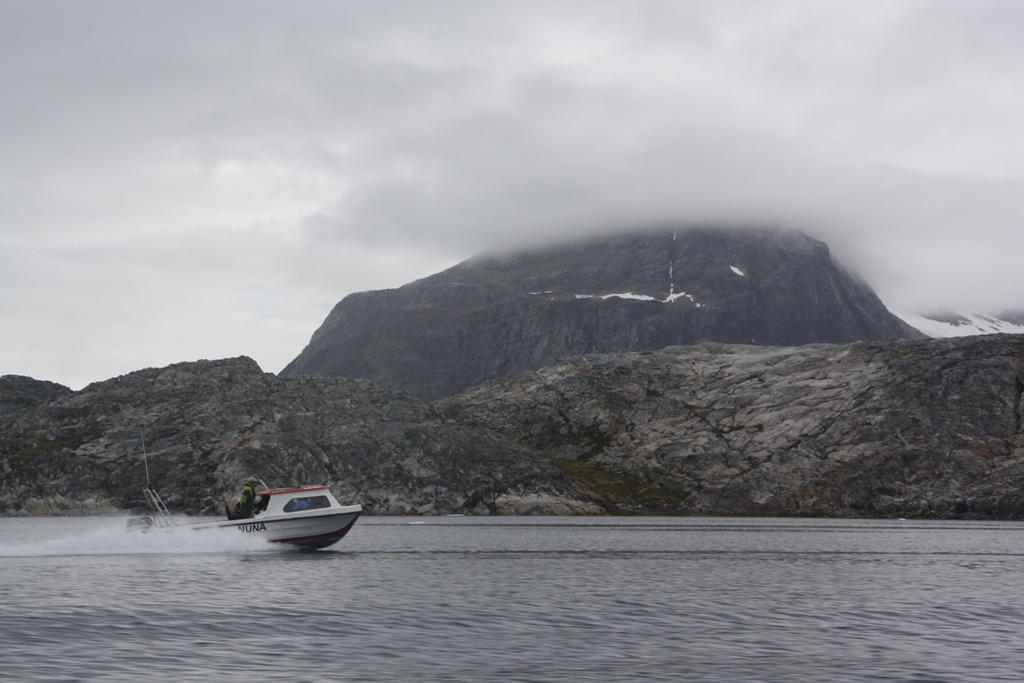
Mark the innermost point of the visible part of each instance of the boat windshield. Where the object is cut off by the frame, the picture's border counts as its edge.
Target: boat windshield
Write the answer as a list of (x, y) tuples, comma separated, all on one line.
[(310, 503)]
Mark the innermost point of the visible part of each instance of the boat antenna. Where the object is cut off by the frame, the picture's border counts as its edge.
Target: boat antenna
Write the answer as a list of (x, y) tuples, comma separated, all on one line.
[(161, 516), (145, 458)]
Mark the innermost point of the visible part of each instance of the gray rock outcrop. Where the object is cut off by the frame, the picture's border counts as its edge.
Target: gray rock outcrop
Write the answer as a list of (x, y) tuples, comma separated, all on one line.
[(641, 291), (901, 428), (209, 424)]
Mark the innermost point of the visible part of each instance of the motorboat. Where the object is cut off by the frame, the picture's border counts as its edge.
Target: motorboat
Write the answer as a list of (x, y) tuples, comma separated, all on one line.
[(307, 517)]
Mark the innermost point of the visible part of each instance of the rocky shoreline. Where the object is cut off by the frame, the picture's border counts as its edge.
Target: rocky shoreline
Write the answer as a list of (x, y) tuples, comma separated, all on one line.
[(924, 429), (209, 424), (892, 429)]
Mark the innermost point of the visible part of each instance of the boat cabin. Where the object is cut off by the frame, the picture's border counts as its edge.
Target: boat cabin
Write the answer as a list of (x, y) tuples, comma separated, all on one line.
[(305, 499)]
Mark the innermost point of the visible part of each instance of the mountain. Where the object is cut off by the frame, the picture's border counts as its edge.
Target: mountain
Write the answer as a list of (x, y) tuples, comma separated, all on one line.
[(495, 315), (896, 428), (207, 425)]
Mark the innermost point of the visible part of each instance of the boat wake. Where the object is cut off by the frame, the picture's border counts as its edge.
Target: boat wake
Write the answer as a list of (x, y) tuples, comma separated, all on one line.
[(113, 538)]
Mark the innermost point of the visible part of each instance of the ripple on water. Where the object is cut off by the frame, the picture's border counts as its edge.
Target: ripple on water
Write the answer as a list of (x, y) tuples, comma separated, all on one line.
[(520, 600)]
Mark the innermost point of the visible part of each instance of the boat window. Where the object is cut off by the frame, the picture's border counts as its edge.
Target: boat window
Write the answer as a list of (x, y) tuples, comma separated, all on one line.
[(311, 503)]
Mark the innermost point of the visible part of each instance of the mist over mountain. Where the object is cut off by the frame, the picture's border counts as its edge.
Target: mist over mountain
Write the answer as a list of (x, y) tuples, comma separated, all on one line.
[(638, 291)]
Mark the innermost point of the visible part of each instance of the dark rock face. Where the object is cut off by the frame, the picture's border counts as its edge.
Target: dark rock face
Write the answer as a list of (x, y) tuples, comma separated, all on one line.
[(207, 425), (18, 393), (1015, 317), (901, 428), (492, 316)]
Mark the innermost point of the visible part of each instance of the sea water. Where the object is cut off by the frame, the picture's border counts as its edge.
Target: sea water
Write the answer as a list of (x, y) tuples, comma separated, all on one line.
[(517, 599)]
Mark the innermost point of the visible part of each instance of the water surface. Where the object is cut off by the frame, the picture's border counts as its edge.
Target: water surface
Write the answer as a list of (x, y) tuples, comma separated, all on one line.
[(517, 599)]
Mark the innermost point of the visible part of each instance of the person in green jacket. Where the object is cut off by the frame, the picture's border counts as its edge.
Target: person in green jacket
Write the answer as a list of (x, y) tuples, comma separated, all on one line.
[(247, 501)]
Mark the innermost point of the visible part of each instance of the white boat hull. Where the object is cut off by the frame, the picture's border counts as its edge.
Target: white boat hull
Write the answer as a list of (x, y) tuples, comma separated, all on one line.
[(306, 517), (314, 530)]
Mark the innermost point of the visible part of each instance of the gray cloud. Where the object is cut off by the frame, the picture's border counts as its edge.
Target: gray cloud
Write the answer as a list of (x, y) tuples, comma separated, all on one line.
[(181, 180)]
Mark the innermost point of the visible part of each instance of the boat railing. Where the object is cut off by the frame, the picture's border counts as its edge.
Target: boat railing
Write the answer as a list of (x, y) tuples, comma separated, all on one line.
[(161, 515)]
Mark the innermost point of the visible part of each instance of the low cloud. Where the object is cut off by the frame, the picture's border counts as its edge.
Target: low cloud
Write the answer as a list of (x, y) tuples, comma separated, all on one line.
[(207, 180)]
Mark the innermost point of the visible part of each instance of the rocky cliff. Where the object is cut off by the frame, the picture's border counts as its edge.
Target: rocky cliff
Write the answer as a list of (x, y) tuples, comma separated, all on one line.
[(641, 291), (899, 428), (209, 424)]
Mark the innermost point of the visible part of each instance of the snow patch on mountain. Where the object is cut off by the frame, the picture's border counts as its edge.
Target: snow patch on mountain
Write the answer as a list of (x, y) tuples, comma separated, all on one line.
[(674, 296), (629, 295), (959, 325)]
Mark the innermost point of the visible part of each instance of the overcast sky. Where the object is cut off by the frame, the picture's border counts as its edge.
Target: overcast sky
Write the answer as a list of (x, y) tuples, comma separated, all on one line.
[(183, 180)]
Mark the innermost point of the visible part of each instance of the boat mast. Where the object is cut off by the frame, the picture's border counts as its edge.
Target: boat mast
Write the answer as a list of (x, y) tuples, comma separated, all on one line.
[(161, 515), (145, 459)]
